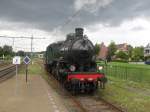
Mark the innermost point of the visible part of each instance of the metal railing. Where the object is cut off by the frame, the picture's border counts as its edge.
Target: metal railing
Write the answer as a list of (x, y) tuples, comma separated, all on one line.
[(136, 74)]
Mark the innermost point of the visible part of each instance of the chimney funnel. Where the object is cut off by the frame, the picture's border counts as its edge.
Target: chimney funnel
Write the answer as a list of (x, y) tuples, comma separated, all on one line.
[(79, 32)]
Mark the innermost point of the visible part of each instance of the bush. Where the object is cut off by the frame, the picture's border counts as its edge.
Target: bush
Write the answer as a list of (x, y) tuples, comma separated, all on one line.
[(122, 55), (122, 61)]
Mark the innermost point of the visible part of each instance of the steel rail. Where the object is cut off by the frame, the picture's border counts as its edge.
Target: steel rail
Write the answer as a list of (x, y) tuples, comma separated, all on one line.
[(7, 72), (4, 65), (78, 103)]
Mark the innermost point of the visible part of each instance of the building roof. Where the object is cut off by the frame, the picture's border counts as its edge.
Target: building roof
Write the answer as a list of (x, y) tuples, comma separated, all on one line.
[(122, 47), (148, 45)]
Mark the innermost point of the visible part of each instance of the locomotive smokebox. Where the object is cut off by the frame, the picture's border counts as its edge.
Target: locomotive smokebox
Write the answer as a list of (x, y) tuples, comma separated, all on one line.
[(79, 32)]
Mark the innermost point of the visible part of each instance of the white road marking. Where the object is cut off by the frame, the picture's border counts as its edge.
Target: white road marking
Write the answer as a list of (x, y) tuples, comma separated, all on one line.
[(55, 106), (51, 99), (53, 103), (56, 111)]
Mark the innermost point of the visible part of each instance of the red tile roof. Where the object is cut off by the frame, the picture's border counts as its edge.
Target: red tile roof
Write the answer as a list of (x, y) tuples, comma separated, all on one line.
[(122, 47)]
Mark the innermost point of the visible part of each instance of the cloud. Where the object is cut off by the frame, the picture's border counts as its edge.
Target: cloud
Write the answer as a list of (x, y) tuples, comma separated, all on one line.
[(40, 14), (138, 28), (91, 5), (121, 34), (59, 17), (50, 14)]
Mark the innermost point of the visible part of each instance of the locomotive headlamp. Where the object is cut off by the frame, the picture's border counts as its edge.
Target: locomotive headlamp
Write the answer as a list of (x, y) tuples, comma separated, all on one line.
[(100, 68), (90, 79), (72, 68)]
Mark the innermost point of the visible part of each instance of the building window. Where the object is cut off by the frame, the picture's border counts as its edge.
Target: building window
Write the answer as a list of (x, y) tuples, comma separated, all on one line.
[(147, 51)]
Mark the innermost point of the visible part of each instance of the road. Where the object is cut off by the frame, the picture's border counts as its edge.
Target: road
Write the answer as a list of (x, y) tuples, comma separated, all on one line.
[(35, 96)]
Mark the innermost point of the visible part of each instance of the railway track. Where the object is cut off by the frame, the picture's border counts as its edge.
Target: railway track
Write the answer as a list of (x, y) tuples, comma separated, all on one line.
[(4, 64), (95, 104), (82, 102), (7, 72)]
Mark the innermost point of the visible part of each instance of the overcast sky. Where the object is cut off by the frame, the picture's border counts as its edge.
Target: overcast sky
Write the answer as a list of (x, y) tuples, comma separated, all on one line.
[(123, 21)]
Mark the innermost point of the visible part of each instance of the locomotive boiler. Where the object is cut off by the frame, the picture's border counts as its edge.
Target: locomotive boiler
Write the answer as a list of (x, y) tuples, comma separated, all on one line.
[(73, 63)]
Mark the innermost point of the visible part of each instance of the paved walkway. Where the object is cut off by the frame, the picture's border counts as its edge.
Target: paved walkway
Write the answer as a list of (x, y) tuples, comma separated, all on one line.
[(35, 96)]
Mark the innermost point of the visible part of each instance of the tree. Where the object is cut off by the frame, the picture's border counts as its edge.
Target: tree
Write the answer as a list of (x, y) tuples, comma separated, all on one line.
[(112, 48), (21, 53), (122, 55), (1, 51), (97, 48), (130, 49), (147, 58), (7, 50), (138, 53)]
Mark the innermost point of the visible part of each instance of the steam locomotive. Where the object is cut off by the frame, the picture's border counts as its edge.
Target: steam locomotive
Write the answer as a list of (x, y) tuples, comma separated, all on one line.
[(72, 63)]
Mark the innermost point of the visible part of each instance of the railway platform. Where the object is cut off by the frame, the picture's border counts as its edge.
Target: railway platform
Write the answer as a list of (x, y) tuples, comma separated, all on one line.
[(34, 96)]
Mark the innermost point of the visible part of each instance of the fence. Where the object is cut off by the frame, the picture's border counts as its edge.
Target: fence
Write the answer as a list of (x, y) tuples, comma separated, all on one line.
[(128, 73)]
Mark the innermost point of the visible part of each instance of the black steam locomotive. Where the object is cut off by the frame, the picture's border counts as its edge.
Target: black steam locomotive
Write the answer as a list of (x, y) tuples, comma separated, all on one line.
[(72, 62)]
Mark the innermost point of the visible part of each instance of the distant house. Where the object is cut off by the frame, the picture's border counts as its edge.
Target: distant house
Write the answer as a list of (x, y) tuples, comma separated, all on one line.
[(147, 50), (103, 51), (40, 55), (122, 47)]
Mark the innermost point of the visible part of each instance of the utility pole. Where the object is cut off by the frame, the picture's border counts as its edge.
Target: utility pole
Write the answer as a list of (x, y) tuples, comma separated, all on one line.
[(13, 42), (31, 48)]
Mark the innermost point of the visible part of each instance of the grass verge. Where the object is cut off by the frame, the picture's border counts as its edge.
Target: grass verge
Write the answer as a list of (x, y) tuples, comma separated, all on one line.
[(33, 69), (132, 96)]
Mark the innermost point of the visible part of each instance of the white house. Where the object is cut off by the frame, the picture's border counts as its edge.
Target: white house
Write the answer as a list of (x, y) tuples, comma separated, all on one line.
[(147, 50)]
